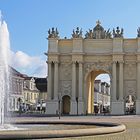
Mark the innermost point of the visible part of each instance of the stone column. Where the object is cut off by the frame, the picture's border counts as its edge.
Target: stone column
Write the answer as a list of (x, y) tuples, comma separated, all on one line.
[(114, 81), (49, 96), (73, 81), (138, 80), (121, 81), (80, 96), (111, 86), (80, 81), (74, 106), (138, 89), (55, 80)]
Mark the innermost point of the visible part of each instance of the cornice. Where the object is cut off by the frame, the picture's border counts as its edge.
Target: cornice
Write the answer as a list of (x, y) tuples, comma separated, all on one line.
[(53, 53)]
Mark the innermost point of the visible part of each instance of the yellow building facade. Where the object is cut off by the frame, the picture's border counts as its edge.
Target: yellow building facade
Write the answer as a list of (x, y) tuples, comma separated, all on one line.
[(31, 93)]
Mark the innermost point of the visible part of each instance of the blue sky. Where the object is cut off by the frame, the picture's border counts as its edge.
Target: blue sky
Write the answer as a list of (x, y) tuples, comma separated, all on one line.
[(29, 20)]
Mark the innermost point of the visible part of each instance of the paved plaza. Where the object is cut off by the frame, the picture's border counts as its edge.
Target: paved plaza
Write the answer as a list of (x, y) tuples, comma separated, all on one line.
[(117, 119)]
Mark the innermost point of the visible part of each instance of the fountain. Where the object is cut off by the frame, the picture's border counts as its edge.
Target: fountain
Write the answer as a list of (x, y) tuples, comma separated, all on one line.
[(4, 70)]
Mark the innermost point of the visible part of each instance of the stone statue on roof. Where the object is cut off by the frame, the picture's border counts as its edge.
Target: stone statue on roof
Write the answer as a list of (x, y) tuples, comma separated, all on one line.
[(77, 33), (89, 34), (138, 31), (53, 33), (117, 33), (108, 34)]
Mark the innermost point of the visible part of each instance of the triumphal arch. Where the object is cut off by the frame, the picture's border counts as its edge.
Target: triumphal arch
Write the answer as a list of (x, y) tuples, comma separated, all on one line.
[(73, 65)]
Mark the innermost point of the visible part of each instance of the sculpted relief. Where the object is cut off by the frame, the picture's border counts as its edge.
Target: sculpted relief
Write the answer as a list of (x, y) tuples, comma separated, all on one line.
[(65, 71), (65, 88), (130, 71), (106, 66), (130, 88), (65, 79)]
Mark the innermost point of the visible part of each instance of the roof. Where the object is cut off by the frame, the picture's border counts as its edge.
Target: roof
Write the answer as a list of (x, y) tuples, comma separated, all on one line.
[(16, 73), (28, 78), (97, 81), (98, 28), (41, 84)]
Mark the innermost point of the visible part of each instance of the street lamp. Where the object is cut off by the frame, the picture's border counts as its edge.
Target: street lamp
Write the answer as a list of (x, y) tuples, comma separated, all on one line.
[(77, 105), (20, 107)]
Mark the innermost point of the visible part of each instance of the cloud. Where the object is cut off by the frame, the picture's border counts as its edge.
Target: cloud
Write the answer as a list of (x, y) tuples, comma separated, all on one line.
[(41, 70), (104, 78), (30, 65)]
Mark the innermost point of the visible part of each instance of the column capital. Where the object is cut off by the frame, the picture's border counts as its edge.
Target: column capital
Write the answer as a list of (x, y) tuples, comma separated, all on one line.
[(121, 62), (81, 62), (55, 62), (49, 62), (114, 61), (74, 62), (138, 61)]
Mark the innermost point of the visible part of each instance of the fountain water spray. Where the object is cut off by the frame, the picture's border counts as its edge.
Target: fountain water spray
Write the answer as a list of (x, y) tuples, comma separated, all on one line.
[(4, 69)]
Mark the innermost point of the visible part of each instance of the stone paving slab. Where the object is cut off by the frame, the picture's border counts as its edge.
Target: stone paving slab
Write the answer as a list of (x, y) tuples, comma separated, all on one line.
[(117, 119)]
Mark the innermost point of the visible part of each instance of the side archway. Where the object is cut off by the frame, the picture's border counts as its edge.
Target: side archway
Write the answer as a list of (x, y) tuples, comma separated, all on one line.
[(66, 105)]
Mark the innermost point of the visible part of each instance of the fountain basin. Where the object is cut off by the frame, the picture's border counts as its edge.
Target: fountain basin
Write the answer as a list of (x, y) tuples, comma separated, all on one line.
[(102, 128)]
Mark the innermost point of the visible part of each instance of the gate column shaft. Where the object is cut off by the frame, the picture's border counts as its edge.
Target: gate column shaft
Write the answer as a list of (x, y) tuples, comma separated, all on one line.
[(74, 104), (80, 81), (114, 82), (49, 81), (80, 96), (73, 81), (55, 80), (138, 89), (138, 80), (121, 81)]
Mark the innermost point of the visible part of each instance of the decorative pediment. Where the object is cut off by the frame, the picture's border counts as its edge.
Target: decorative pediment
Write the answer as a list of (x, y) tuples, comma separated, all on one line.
[(98, 32)]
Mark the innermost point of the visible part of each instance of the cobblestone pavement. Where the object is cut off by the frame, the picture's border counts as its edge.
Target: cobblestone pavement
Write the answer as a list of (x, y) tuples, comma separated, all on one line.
[(117, 119)]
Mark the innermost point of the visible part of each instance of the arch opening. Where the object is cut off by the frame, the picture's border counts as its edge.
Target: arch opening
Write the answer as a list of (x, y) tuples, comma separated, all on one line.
[(66, 105), (98, 92)]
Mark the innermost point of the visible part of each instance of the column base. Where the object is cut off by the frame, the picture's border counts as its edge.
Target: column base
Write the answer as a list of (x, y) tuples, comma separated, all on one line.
[(73, 108), (52, 107), (138, 107), (117, 108)]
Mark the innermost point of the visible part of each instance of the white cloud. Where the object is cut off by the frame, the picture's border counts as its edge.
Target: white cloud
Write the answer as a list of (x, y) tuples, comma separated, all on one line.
[(30, 65)]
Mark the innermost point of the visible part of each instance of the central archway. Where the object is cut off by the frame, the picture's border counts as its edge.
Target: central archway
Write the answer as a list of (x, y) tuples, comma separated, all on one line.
[(90, 78)]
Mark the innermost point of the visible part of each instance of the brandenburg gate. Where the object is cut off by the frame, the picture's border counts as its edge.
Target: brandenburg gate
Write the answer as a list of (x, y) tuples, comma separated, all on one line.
[(73, 65)]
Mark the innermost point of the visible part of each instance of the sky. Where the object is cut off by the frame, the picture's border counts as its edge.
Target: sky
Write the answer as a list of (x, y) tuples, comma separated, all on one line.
[(29, 20)]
